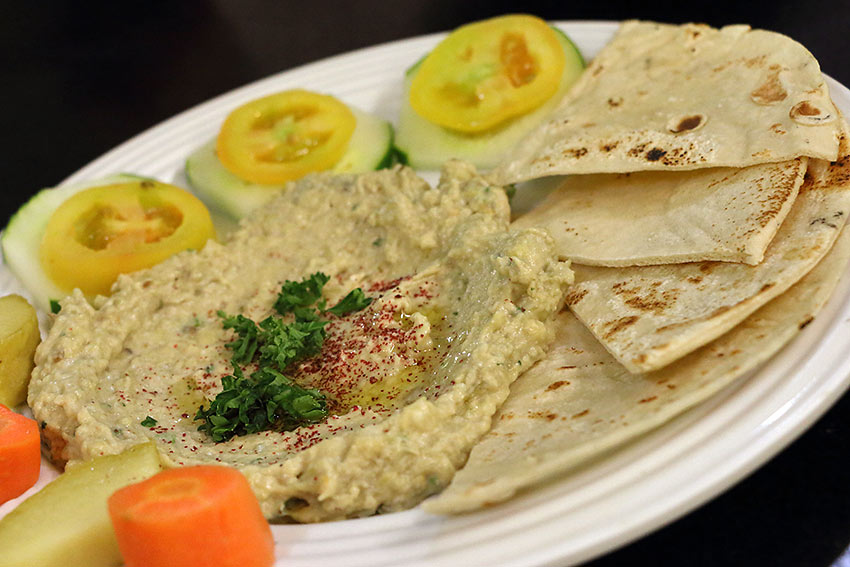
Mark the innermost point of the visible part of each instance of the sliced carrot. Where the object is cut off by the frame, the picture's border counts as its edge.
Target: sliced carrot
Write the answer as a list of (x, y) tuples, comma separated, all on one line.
[(193, 516), (20, 453)]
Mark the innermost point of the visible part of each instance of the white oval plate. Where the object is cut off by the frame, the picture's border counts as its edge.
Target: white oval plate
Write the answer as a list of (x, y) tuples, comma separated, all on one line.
[(607, 503)]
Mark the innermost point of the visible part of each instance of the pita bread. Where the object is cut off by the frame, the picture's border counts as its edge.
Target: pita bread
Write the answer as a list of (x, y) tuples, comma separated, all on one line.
[(664, 97), (645, 218), (649, 316), (578, 402)]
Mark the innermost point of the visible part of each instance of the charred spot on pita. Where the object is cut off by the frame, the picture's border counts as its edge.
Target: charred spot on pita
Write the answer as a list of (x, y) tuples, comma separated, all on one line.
[(655, 154)]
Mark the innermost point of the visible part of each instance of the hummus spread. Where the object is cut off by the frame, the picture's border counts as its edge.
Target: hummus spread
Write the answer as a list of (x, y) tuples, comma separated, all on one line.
[(462, 305)]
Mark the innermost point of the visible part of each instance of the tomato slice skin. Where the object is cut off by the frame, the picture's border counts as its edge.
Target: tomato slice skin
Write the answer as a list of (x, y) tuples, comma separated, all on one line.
[(105, 231), (488, 72), (284, 136)]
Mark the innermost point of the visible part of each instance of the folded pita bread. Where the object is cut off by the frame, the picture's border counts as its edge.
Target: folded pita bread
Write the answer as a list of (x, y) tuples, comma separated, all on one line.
[(649, 316), (578, 402), (646, 218), (665, 97)]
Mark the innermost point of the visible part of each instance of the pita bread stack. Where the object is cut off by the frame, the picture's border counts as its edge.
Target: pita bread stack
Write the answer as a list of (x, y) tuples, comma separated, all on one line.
[(706, 185)]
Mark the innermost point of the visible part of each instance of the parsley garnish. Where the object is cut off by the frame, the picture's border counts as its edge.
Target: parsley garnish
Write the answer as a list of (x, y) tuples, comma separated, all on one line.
[(54, 306), (300, 297), (245, 346), (267, 399), (354, 301), (148, 422), (284, 343)]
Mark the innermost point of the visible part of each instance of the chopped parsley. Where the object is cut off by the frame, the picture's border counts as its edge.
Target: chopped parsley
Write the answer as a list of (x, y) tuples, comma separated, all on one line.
[(354, 301), (148, 422), (54, 306), (285, 343), (300, 297), (265, 400), (268, 399)]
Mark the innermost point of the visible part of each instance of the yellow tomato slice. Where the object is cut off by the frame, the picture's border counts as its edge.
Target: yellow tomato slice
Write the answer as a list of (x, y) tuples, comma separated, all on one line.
[(486, 72), (105, 231), (284, 136)]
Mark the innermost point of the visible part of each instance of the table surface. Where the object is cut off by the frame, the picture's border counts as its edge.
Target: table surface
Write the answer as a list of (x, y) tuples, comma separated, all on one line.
[(80, 78)]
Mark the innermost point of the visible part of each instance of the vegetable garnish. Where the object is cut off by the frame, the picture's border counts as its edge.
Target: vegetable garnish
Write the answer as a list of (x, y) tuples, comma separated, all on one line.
[(304, 294), (19, 337), (284, 136), (267, 399), (487, 72), (192, 517), (20, 454), (66, 523), (354, 301), (104, 231)]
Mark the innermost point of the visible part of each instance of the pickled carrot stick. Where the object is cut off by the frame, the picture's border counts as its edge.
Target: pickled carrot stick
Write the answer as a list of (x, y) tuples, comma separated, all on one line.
[(193, 516), (20, 453)]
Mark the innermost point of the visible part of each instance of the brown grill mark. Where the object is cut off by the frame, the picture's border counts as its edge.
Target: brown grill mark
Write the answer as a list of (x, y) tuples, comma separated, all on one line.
[(649, 399), (806, 322), (650, 299), (547, 415), (777, 128), (755, 61), (784, 184), (575, 153), (556, 385), (637, 150), (574, 296), (614, 327), (580, 414), (771, 91)]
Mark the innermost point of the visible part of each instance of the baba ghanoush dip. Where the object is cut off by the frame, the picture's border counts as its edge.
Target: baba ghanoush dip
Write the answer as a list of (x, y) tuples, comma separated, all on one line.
[(459, 305)]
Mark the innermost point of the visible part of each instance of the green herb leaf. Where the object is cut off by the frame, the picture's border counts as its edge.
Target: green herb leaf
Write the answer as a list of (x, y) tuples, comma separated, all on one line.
[(54, 306), (266, 400), (306, 293), (245, 346), (354, 301), (284, 343), (148, 422)]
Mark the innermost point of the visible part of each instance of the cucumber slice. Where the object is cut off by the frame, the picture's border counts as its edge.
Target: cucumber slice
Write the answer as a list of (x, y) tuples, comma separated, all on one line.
[(371, 147), (21, 239), (428, 145)]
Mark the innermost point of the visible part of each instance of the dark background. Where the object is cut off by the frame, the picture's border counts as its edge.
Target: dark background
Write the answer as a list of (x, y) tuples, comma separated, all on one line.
[(78, 78)]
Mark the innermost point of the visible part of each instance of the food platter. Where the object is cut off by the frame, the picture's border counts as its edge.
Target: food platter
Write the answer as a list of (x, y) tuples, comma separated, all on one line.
[(604, 504)]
